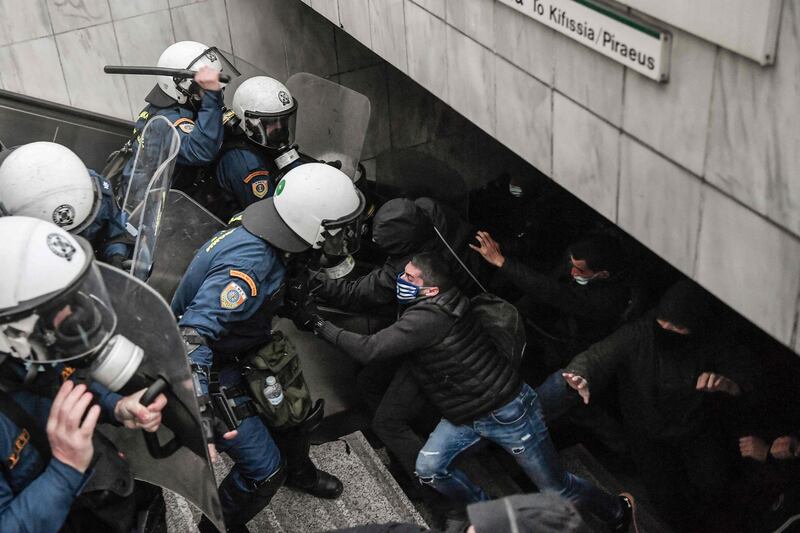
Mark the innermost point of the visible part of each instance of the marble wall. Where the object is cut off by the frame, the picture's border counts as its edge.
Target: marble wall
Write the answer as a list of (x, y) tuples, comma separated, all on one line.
[(701, 169)]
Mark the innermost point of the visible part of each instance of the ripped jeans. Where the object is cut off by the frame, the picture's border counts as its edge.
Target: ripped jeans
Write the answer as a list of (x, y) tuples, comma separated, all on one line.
[(519, 428)]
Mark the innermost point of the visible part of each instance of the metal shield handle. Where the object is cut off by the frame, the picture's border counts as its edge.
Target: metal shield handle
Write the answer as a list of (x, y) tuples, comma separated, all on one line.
[(155, 448)]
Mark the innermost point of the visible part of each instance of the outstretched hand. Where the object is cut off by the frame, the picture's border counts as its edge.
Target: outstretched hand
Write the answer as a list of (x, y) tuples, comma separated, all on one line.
[(712, 382), (489, 249), (579, 384)]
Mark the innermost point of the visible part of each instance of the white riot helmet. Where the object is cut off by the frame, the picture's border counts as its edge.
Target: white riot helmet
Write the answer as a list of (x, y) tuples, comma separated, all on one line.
[(266, 112), (314, 206), (188, 55), (48, 181), (54, 306)]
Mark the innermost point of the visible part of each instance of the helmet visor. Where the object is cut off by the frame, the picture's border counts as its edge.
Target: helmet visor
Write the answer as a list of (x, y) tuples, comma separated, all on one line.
[(343, 236), (275, 132), (73, 326), (212, 55)]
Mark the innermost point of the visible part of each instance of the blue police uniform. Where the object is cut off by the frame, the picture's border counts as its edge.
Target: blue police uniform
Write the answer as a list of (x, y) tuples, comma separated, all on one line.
[(34, 495), (247, 171), (227, 296), (248, 174), (201, 131), (107, 231)]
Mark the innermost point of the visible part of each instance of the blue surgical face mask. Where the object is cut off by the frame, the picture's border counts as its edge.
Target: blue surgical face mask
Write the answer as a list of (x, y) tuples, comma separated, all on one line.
[(407, 291)]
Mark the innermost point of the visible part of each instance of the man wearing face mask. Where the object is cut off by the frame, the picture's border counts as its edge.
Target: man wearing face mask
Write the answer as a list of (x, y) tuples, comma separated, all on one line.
[(581, 304), (401, 228), (54, 311), (475, 387), (670, 364)]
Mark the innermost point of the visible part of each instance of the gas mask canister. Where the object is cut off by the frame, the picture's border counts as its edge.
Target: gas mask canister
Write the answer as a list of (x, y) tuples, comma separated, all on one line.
[(76, 328)]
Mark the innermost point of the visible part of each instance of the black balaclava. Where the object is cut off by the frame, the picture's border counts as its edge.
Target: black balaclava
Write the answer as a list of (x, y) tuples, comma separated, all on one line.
[(684, 304), (401, 227)]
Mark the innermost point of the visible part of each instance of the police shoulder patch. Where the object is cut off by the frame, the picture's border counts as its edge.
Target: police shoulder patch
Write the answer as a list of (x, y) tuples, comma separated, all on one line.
[(247, 279), (260, 188), (255, 174), (232, 296), (186, 125)]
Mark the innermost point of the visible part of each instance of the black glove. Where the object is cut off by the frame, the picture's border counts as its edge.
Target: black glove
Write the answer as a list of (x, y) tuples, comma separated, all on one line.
[(306, 318)]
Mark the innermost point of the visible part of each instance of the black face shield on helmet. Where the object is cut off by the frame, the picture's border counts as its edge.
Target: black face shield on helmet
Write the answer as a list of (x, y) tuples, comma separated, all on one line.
[(272, 130), (343, 235)]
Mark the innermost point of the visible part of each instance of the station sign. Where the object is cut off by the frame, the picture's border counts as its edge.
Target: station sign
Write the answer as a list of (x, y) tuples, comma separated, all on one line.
[(633, 43)]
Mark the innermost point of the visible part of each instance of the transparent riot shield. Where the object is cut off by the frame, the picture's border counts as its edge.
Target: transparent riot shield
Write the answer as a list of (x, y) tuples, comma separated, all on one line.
[(332, 120), (176, 457), (185, 226), (147, 190)]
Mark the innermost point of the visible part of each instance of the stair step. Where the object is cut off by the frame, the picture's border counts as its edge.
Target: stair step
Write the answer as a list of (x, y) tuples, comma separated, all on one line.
[(370, 495), (579, 461)]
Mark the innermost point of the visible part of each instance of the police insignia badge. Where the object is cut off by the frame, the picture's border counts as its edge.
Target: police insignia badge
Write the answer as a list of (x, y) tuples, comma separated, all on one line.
[(186, 125), (232, 296), (260, 188)]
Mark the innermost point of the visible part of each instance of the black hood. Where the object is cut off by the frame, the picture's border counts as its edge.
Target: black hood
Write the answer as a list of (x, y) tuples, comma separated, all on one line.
[(685, 304), (401, 227)]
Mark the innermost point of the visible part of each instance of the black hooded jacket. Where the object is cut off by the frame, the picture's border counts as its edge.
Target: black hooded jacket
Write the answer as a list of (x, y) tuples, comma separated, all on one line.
[(453, 358), (658, 370), (401, 228)]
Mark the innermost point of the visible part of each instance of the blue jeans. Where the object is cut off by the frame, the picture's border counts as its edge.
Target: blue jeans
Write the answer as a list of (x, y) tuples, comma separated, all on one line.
[(518, 427), (254, 453)]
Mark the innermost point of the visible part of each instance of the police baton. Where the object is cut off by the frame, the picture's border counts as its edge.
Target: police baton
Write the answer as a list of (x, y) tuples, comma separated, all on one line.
[(183, 73)]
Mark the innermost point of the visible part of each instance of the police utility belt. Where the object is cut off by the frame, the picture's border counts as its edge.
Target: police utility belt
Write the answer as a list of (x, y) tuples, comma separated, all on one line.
[(278, 359)]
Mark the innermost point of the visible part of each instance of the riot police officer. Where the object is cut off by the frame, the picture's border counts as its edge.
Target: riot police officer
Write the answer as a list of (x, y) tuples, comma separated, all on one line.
[(225, 304), (54, 310), (257, 149), (194, 106), (48, 181)]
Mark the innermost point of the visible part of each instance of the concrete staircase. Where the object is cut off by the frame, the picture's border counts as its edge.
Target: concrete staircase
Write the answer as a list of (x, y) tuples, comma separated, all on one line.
[(370, 495)]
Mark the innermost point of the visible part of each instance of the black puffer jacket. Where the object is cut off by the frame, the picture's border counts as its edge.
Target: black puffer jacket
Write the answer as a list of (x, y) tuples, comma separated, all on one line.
[(452, 357)]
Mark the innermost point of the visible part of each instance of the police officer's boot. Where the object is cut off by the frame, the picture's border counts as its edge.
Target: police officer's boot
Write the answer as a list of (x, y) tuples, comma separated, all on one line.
[(245, 504), (295, 444)]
